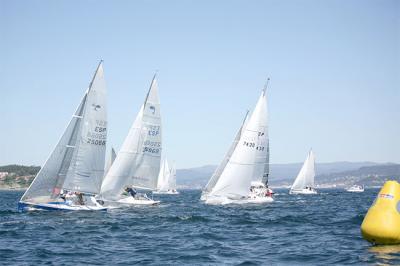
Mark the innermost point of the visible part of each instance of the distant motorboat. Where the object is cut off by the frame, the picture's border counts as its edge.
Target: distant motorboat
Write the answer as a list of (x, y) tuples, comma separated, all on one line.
[(355, 188), (242, 176), (304, 182)]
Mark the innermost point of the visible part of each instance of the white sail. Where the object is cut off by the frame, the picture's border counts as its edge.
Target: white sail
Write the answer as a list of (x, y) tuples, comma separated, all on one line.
[(217, 174), (248, 159), (172, 178), (164, 177), (79, 155), (138, 162), (305, 178), (110, 160), (86, 171)]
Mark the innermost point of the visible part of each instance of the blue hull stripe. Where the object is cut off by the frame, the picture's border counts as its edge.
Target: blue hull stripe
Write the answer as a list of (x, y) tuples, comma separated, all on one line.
[(22, 207)]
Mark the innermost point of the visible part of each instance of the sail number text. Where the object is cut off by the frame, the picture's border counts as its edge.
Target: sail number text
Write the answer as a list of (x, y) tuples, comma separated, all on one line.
[(99, 136), (153, 130), (252, 145)]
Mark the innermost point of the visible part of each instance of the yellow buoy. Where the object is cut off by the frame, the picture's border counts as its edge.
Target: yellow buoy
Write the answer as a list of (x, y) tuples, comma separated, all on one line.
[(381, 225)]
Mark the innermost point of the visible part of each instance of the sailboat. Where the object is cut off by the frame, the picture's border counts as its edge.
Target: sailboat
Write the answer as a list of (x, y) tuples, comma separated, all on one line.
[(355, 188), (166, 180), (72, 175), (242, 176), (304, 182), (138, 161), (172, 181)]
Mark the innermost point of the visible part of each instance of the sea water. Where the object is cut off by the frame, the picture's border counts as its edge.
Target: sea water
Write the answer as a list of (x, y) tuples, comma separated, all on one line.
[(293, 230)]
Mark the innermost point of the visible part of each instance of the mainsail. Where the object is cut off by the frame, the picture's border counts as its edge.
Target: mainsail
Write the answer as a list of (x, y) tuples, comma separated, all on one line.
[(138, 162), (77, 161), (246, 160), (305, 178)]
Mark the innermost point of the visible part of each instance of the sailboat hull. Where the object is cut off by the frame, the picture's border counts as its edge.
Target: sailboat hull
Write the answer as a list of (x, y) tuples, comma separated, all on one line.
[(216, 200), (166, 192), (355, 190), (130, 201), (56, 206), (303, 192)]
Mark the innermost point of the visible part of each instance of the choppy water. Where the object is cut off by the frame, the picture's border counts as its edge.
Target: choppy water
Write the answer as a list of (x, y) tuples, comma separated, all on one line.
[(316, 229)]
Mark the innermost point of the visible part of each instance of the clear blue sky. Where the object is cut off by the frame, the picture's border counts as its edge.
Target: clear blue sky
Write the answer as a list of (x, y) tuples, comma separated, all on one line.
[(334, 68)]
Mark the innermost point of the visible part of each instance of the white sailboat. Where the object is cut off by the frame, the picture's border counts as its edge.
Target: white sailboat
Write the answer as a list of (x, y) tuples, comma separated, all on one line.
[(72, 174), (172, 181), (138, 162), (242, 176), (166, 180), (355, 188), (304, 182)]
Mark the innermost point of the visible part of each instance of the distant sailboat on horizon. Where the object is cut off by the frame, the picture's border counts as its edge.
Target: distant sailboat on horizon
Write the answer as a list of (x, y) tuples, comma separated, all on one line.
[(304, 182), (137, 163), (166, 183), (242, 176), (72, 175), (355, 188)]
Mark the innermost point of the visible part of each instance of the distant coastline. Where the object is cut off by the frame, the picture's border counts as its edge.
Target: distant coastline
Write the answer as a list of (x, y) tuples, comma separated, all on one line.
[(329, 175), (17, 177)]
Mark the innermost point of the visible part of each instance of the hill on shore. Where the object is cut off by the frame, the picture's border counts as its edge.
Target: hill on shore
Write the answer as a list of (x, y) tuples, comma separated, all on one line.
[(336, 174)]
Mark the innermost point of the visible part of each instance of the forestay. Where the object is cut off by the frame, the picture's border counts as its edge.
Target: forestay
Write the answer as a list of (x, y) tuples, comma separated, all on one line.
[(248, 160), (305, 178), (77, 161), (138, 162)]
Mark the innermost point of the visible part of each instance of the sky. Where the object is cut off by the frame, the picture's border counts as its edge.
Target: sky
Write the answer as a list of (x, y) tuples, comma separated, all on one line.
[(334, 67)]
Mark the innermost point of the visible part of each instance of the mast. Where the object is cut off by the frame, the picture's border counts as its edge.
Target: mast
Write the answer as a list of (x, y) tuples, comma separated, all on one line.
[(266, 86), (95, 74), (151, 86), (265, 177)]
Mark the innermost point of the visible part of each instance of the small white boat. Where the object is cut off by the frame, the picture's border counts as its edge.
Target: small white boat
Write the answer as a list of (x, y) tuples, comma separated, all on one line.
[(355, 188), (304, 182), (242, 176), (166, 184), (137, 163), (76, 165), (307, 190)]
